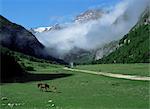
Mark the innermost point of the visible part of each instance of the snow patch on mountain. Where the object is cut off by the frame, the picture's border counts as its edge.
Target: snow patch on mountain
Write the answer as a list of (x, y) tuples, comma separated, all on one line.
[(45, 29)]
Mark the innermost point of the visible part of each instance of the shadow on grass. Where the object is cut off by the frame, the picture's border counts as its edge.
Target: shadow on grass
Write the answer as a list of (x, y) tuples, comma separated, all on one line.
[(28, 77), (52, 91), (12, 72), (40, 77)]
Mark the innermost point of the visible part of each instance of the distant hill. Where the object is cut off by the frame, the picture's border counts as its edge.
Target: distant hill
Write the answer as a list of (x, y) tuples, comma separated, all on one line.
[(133, 47), (79, 56), (82, 56), (76, 55)]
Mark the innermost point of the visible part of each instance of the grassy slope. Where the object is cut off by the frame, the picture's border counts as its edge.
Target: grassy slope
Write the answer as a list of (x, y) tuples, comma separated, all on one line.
[(134, 47), (26, 60), (79, 91), (40, 66), (132, 69)]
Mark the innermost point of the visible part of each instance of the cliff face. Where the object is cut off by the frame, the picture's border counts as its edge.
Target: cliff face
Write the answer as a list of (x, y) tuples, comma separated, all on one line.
[(106, 49)]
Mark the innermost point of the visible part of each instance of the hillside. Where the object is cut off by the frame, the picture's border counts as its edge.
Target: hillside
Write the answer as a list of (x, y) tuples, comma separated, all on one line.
[(17, 67), (17, 38), (10, 69), (133, 47), (106, 49), (81, 56)]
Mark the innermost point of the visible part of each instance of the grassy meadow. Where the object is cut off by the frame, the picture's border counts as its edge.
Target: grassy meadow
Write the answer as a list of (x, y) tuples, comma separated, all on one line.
[(78, 90), (131, 69)]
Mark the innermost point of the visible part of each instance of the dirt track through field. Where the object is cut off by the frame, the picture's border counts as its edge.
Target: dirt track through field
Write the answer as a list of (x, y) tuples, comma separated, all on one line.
[(131, 77)]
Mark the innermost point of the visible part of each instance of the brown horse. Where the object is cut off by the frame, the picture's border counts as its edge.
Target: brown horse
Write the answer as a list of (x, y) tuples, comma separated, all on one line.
[(43, 86)]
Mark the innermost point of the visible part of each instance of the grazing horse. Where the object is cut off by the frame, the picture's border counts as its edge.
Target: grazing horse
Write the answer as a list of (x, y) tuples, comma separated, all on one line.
[(43, 86)]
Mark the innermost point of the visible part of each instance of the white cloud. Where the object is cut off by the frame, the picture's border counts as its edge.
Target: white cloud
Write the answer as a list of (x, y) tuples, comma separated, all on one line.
[(111, 26)]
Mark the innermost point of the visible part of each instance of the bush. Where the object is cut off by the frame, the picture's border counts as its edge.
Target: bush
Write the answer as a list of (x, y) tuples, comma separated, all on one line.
[(29, 68)]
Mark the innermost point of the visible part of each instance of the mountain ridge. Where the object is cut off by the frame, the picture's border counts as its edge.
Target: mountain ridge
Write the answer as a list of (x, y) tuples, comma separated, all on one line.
[(17, 38), (134, 46)]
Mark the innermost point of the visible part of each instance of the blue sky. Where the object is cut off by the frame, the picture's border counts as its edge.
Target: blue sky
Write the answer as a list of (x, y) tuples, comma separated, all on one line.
[(34, 13)]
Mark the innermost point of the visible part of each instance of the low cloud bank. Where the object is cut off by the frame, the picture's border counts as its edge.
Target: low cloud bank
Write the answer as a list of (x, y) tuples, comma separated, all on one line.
[(93, 34)]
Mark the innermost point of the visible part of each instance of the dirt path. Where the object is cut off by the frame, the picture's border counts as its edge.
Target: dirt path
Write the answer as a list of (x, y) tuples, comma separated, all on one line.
[(131, 77)]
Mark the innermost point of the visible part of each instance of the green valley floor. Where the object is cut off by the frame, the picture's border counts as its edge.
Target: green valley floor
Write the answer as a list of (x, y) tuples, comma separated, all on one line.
[(80, 90)]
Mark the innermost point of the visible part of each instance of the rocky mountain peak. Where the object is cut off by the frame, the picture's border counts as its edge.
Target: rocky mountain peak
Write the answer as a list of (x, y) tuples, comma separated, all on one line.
[(88, 15)]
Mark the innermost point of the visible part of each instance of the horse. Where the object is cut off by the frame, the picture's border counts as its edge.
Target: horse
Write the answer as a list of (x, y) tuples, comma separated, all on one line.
[(43, 86)]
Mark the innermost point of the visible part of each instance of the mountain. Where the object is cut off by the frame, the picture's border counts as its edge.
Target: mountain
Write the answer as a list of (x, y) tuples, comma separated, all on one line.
[(82, 56), (16, 37), (134, 46), (40, 29), (79, 56), (76, 55), (88, 15), (45, 29), (92, 14), (106, 49)]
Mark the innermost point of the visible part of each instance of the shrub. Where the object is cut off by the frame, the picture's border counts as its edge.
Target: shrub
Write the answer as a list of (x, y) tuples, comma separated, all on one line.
[(29, 68)]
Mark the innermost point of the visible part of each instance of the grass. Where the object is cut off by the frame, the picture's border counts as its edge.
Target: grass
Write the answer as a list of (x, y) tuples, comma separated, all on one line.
[(131, 69), (79, 91), (41, 67)]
